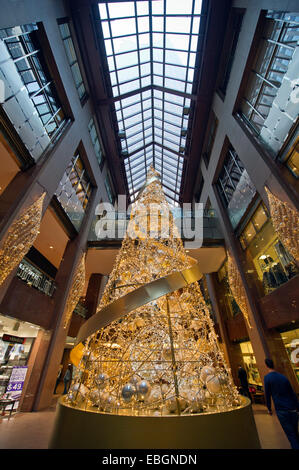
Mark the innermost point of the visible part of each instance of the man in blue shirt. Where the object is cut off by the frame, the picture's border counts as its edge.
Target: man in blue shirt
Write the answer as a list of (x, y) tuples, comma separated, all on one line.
[(285, 402)]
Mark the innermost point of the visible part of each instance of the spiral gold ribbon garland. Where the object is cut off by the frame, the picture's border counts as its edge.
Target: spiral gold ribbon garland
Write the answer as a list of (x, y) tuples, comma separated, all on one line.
[(237, 288), (76, 290), (20, 237), (286, 223)]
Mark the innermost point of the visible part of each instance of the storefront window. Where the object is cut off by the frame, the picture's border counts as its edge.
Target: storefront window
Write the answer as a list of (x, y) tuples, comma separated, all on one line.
[(31, 101), (249, 360), (291, 342), (16, 340), (273, 263), (74, 191), (292, 159), (235, 187), (268, 105)]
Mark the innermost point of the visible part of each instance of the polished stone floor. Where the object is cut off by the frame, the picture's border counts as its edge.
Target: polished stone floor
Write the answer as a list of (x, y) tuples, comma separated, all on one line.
[(33, 430)]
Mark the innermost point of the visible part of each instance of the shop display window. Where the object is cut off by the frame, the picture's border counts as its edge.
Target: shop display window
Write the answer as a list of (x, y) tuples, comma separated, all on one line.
[(235, 187), (249, 360), (291, 343), (255, 224), (31, 100), (16, 341), (267, 106), (74, 191), (292, 159), (274, 265)]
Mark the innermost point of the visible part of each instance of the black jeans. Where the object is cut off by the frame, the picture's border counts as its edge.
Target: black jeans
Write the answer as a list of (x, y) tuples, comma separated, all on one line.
[(289, 422), (66, 386)]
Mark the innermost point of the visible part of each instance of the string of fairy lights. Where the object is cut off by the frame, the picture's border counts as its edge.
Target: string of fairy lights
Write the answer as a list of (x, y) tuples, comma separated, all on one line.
[(20, 237), (76, 290), (163, 357)]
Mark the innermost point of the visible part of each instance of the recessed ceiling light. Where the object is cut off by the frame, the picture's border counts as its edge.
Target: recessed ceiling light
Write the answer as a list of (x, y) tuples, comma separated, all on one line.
[(51, 246)]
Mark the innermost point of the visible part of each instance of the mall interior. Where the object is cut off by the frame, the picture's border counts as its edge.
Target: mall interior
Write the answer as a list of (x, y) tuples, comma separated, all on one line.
[(95, 94)]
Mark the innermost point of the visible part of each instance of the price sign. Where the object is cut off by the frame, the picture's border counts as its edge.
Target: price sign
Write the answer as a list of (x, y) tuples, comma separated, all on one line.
[(16, 382)]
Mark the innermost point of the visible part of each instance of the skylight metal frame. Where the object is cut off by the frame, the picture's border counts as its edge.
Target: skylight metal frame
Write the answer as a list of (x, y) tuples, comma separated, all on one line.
[(160, 90)]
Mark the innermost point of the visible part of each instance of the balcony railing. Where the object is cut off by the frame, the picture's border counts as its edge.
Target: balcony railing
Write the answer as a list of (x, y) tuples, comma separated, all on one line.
[(113, 225), (33, 277), (80, 309)]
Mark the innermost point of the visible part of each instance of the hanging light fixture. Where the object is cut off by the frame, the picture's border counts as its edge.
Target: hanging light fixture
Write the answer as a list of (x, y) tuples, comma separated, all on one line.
[(76, 290), (237, 288), (20, 237), (286, 223)]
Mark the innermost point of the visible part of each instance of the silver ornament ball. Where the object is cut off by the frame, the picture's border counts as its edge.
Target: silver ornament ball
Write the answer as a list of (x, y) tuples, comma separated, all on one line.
[(101, 380), (127, 392), (143, 388)]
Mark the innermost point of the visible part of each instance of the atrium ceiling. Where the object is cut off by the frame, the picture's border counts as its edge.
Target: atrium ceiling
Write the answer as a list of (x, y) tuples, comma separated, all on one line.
[(152, 50), (152, 68)]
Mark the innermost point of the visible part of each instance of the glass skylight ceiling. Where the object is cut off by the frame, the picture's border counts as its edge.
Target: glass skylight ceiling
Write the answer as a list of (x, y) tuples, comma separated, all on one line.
[(151, 51)]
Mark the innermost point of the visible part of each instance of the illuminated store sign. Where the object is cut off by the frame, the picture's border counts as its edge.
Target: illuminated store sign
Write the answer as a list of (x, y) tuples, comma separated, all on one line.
[(13, 339)]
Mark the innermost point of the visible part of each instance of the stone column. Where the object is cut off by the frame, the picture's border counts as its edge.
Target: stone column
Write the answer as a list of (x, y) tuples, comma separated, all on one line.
[(231, 351), (35, 366), (93, 293)]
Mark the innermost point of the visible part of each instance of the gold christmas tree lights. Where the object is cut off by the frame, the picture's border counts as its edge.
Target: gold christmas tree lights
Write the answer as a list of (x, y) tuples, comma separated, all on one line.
[(76, 290), (20, 237), (163, 357), (286, 223), (237, 288)]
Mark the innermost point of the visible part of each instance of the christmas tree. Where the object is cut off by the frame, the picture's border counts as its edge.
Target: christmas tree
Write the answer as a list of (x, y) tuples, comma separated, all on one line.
[(163, 357)]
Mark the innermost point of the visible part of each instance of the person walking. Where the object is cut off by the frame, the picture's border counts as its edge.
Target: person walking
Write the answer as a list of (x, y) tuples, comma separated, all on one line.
[(285, 402), (67, 379), (58, 377), (242, 375)]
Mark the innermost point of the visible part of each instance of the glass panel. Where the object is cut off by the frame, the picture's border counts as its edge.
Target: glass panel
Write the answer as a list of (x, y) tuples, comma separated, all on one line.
[(123, 45), (175, 41), (72, 191), (293, 161), (143, 25), (121, 9), (259, 218), (123, 26), (33, 108), (235, 187), (142, 8), (268, 106), (125, 75), (178, 24), (141, 67), (125, 60)]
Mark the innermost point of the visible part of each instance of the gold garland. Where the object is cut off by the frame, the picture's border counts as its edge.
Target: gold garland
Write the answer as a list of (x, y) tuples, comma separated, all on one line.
[(286, 223), (20, 237), (76, 290), (237, 288)]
